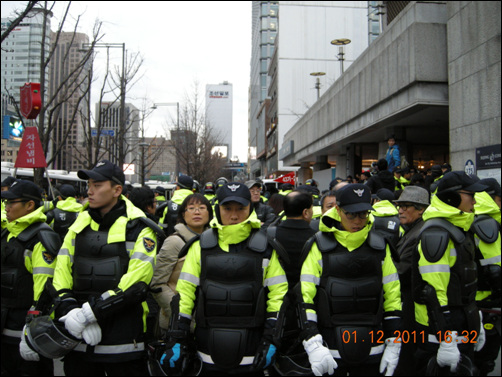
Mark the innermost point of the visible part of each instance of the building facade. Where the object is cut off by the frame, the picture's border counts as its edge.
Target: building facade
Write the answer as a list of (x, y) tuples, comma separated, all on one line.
[(432, 79), (109, 128), (219, 112), (295, 37), (67, 86)]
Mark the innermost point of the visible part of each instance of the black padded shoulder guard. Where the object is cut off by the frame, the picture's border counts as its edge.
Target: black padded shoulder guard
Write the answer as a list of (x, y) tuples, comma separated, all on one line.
[(376, 240), (43, 233), (486, 228), (326, 241), (434, 238)]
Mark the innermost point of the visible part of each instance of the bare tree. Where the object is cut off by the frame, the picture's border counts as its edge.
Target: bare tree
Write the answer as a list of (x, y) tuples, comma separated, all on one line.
[(194, 141), (17, 21), (67, 88)]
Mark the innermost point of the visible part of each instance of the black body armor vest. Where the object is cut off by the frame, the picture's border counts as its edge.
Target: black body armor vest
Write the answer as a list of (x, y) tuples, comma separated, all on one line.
[(98, 265), (350, 291), (231, 301), (17, 281)]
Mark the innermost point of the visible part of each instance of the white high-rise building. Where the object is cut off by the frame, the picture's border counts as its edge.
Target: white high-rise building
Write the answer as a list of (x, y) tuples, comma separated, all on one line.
[(21, 51), (219, 111)]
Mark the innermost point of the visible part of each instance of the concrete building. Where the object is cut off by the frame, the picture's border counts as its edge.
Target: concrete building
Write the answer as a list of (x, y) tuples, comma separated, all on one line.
[(432, 79), (293, 40), (219, 112)]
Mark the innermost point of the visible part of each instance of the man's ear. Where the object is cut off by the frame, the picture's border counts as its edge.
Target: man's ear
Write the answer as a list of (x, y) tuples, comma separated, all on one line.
[(118, 191)]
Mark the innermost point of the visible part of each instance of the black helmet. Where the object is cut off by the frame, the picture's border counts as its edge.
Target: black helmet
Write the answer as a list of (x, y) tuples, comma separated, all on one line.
[(311, 182), (465, 367), (209, 188), (195, 186), (220, 182), (292, 365), (48, 338)]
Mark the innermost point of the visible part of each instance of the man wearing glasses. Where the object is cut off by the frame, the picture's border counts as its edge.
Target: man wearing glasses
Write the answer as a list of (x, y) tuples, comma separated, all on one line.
[(411, 205), (445, 277), (350, 293), (29, 250)]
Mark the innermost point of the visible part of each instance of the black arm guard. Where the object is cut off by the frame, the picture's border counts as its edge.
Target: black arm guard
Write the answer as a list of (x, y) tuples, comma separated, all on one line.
[(437, 320), (106, 306), (179, 327), (492, 273)]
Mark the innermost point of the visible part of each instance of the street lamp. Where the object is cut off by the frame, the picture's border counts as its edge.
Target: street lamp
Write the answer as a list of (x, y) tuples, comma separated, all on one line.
[(122, 125), (318, 82), (177, 104), (340, 43)]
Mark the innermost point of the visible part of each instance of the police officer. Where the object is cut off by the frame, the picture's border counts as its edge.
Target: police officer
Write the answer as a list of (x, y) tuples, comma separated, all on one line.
[(160, 195), (209, 191), (106, 264), (444, 279), (386, 217), (486, 228), (168, 212), (29, 250), (66, 211), (350, 293), (235, 277)]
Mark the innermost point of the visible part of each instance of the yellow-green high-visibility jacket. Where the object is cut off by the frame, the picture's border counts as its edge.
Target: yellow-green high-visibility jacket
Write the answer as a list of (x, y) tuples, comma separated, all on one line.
[(35, 263), (141, 254), (404, 182), (123, 329), (274, 277), (437, 274), (178, 197), (313, 267), (209, 196), (490, 252)]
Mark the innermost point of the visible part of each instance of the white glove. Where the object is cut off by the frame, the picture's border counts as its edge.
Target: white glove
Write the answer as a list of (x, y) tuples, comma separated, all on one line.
[(448, 353), (92, 334), (26, 352), (77, 319), (320, 358), (390, 356), (482, 335)]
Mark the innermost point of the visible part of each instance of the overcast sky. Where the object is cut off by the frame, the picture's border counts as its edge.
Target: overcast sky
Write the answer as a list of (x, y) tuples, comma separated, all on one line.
[(181, 42)]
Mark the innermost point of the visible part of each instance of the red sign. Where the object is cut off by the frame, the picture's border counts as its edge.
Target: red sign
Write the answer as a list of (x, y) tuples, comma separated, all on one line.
[(288, 178), (31, 154), (31, 101)]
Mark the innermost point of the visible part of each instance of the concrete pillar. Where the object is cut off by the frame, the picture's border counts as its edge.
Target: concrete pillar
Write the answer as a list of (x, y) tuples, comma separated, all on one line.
[(321, 163), (304, 173)]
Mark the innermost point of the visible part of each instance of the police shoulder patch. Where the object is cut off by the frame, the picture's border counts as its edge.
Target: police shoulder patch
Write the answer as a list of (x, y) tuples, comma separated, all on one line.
[(48, 258), (148, 243)]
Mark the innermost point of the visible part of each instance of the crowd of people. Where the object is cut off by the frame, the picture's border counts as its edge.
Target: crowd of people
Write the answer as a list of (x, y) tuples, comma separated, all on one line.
[(391, 272)]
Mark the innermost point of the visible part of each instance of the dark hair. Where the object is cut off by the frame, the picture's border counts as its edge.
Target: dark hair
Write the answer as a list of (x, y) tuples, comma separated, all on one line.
[(329, 193), (295, 202), (417, 180), (276, 201), (193, 199), (142, 197), (382, 164)]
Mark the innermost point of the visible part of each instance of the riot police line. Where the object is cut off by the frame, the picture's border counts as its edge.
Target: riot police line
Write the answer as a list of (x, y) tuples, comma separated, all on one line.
[(228, 313)]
